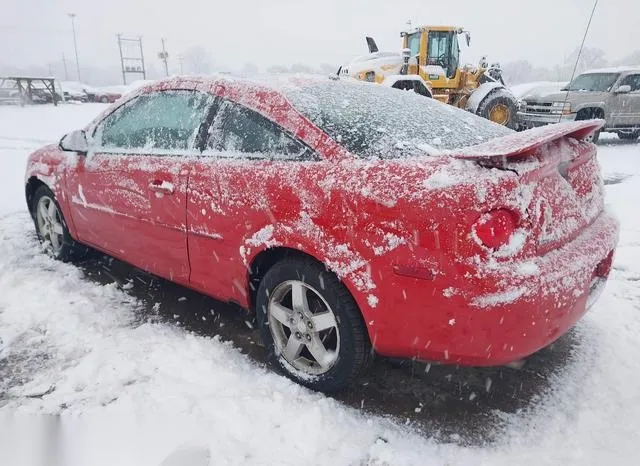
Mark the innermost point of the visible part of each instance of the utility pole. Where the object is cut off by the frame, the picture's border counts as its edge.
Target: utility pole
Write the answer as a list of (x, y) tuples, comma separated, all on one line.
[(144, 70), (164, 56), (66, 72), (75, 42)]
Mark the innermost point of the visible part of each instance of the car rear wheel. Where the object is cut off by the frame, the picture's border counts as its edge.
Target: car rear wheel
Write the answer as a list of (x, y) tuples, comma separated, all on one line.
[(51, 227), (311, 326), (590, 114), (593, 137)]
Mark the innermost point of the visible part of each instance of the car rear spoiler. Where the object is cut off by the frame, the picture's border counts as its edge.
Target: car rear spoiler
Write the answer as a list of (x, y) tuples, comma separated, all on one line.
[(519, 144)]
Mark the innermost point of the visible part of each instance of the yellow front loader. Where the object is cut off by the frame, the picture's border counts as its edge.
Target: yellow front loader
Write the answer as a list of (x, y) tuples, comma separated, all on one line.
[(430, 65)]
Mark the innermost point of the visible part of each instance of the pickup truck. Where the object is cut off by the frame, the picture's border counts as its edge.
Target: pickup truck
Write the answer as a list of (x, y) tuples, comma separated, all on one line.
[(611, 94)]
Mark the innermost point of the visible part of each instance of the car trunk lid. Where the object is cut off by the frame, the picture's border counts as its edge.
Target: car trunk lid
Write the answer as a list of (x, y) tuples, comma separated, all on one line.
[(562, 170)]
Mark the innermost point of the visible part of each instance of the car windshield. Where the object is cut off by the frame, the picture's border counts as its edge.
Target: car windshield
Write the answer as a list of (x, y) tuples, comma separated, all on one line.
[(376, 121), (594, 82)]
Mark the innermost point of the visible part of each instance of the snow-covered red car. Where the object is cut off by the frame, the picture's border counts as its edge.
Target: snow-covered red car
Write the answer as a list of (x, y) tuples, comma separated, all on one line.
[(354, 219), (102, 95)]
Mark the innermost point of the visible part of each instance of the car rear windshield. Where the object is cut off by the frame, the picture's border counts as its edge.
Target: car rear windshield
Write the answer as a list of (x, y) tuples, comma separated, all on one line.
[(594, 82), (371, 120)]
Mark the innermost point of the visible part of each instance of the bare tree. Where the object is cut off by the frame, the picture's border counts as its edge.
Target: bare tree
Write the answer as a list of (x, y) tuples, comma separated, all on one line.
[(197, 60), (250, 69), (633, 59), (300, 68), (277, 69), (590, 58), (326, 68), (516, 72)]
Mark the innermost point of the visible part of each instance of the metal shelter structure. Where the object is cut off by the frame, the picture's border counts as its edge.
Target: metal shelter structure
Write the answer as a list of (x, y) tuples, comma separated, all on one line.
[(28, 90)]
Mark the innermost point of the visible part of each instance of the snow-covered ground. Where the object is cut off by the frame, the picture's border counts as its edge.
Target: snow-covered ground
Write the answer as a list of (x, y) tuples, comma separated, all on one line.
[(127, 392)]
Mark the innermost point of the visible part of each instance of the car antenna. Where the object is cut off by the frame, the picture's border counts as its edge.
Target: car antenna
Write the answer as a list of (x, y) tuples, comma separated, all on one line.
[(575, 66)]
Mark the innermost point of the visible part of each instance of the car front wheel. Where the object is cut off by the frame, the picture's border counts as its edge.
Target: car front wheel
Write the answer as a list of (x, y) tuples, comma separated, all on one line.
[(311, 326), (51, 226)]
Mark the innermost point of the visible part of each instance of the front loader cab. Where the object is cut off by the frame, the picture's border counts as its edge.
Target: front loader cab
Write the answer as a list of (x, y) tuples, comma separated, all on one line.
[(435, 46), (443, 50)]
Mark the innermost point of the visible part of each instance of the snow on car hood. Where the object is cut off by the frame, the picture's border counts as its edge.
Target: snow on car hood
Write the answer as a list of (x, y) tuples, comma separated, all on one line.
[(541, 96)]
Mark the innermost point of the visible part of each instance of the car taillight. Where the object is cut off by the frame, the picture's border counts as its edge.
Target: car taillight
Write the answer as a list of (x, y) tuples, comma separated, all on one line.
[(495, 228)]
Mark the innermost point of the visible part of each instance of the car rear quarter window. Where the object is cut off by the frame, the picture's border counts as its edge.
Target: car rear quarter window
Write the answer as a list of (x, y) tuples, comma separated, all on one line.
[(240, 132), (167, 120)]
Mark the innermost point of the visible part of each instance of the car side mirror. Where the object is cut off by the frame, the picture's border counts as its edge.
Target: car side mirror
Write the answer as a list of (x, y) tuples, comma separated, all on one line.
[(75, 141), (624, 89)]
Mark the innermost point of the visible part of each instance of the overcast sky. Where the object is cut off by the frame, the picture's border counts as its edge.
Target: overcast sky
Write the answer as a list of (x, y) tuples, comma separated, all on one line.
[(269, 32)]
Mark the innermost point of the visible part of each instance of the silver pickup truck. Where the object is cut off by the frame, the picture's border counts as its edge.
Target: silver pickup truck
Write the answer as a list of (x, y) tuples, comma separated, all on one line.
[(610, 94)]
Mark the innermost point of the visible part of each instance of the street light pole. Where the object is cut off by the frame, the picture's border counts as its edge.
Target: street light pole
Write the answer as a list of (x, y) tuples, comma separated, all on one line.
[(64, 63), (75, 42)]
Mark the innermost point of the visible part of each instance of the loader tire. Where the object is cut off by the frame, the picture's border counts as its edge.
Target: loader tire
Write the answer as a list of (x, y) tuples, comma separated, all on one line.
[(499, 107)]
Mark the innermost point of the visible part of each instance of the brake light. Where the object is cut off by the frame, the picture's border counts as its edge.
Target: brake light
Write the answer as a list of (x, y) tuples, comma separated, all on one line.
[(494, 228)]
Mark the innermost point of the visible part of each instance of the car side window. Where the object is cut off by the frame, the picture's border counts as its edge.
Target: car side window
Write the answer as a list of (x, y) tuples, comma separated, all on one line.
[(632, 80), (165, 120), (238, 131)]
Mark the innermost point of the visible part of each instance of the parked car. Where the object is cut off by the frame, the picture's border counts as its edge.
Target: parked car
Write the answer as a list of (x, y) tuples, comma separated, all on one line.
[(9, 93), (351, 217), (75, 96), (104, 95), (610, 94), (42, 95), (74, 91)]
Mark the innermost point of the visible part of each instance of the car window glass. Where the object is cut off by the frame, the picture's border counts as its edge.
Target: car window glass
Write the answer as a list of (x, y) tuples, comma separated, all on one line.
[(167, 120), (594, 82), (238, 130), (632, 80), (380, 122)]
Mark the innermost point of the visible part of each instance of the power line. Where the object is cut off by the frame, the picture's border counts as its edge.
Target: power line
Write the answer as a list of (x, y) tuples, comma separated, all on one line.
[(575, 66)]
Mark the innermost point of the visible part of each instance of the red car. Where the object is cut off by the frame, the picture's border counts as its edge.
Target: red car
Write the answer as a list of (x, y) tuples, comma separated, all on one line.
[(105, 96), (353, 218)]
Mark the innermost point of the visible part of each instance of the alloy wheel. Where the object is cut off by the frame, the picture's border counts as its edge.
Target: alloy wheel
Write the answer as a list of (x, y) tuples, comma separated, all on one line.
[(304, 327), (50, 225)]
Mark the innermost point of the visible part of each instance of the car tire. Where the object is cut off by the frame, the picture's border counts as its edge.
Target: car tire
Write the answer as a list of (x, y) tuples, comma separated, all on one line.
[(590, 114), (51, 227), (318, 338), (594, 137), (104, 100), (499, 100), (630, 136)]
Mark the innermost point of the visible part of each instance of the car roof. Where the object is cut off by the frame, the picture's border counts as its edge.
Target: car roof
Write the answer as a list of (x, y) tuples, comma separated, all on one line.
[(272, 82), (617, 69), (263, 94)]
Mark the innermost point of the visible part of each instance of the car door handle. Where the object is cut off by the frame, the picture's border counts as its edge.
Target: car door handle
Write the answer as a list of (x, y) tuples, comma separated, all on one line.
[(161, 186)]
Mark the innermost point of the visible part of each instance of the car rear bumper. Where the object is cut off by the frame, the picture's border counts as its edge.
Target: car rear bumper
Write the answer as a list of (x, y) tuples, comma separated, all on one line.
[(533, 120), (509, 312)]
